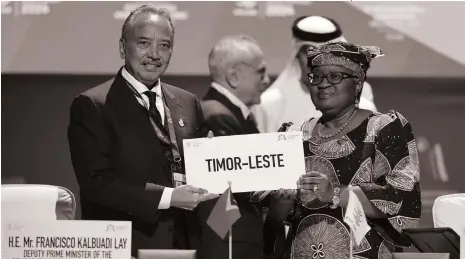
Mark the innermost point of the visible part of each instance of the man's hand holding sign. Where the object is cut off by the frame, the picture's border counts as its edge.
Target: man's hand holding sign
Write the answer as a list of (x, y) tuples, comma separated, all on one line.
[(188, 197)]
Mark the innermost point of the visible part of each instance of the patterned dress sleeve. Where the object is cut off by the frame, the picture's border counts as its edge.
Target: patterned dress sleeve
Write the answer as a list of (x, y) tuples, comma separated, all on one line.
[(395, 187)]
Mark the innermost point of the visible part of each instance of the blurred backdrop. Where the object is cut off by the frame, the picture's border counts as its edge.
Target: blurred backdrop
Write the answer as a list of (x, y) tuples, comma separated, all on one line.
[(52, 51)]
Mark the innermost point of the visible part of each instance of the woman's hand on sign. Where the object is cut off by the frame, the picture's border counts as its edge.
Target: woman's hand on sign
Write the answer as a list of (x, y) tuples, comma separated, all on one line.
[(318, 183)]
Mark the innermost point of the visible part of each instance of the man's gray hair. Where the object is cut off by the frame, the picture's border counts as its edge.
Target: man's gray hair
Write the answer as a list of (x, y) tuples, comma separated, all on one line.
[(144, 10), (227, 53)]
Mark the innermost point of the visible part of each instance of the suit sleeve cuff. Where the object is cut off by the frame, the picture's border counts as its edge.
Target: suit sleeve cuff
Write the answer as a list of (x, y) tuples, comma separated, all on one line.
[(165, 200)]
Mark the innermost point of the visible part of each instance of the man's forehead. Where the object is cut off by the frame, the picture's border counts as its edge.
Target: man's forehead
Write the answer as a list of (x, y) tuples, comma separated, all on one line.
[(144, 22), (254, 52), (148, 17), (257, 61), (262, 63)]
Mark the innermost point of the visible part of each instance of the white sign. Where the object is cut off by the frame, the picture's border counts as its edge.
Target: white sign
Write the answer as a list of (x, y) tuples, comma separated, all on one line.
[(462, 244), (254, 162), (66, 239), (355, 218)]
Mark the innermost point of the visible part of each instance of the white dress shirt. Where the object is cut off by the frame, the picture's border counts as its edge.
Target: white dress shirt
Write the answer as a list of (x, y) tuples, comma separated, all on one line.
[(141, 88), (165, 200), (231, 97)]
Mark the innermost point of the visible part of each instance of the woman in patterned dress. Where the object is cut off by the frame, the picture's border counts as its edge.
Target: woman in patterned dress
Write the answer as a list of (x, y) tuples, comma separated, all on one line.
[(373, 152)]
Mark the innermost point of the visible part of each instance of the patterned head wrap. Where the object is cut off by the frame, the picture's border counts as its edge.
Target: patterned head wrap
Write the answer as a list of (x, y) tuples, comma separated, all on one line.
[(353, 57)]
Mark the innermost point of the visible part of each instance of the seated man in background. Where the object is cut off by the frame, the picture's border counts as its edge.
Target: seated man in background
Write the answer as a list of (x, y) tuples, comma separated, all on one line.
[(288, 96), (239, 75)]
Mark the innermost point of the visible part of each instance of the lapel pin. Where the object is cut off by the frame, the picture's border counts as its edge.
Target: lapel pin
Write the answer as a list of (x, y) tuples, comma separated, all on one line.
[(181, 123)]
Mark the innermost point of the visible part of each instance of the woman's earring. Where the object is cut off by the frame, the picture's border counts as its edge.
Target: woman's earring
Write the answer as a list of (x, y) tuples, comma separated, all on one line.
[(356, 102)]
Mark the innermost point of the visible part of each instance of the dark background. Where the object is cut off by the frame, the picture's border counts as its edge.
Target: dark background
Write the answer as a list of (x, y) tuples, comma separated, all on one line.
[(81, 37), (35, 115)]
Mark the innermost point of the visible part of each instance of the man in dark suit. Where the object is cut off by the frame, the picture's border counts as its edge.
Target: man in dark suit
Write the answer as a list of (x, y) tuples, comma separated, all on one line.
[(239, 75), (125, 138)]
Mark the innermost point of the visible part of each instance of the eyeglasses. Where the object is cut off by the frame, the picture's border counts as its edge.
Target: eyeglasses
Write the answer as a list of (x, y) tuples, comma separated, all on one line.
[(332, 77)]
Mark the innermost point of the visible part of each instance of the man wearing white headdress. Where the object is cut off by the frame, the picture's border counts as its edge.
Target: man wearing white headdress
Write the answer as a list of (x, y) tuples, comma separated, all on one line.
[(288, 98)]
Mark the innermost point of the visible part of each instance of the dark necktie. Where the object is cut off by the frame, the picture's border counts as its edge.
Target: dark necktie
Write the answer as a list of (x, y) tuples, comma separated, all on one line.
[(153, 107), (252, 124), (251, 119)]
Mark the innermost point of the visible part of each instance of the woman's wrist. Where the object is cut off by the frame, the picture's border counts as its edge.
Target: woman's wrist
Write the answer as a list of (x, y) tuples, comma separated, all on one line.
[(337, 198), (344, 197)]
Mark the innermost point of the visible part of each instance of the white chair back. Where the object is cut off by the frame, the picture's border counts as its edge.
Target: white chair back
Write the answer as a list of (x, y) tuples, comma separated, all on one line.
[(449, 212), (44, 202)]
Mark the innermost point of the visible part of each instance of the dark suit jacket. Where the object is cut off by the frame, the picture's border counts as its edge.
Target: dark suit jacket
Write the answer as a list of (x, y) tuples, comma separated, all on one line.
[(115, 153), (224, 118)]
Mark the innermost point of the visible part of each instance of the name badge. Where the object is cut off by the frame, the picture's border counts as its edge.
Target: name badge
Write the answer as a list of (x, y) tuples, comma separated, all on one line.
[(179, 177)]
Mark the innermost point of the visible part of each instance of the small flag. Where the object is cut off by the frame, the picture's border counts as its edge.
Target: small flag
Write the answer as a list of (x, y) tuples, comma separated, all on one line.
[(224, 214), (355, 218)]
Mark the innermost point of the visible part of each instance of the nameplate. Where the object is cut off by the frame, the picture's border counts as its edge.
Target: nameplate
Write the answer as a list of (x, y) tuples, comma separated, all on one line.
[(66, 239), (254, 162)]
